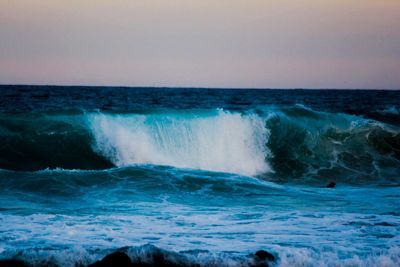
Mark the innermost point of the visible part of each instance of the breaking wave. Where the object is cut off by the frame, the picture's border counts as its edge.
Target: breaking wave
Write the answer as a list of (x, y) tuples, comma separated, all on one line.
[(277, 143)]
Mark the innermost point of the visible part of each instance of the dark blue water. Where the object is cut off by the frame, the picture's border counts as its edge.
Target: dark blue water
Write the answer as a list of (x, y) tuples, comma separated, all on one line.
[(207, 176)]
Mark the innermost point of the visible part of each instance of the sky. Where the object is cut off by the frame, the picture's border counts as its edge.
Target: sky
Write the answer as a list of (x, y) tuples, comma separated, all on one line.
[(207, 43)]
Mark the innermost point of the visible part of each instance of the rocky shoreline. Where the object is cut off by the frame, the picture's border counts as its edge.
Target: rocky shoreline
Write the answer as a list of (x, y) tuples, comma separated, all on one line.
[(154, 258)]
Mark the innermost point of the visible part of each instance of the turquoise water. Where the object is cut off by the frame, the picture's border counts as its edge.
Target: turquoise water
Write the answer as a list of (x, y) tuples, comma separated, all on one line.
[(205, 176)]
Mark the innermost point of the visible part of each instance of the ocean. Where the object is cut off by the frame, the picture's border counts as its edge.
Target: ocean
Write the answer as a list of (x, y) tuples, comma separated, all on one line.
[(200, 177)]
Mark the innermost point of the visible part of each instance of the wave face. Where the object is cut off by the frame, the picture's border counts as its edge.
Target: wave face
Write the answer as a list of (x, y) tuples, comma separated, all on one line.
[(215, 140), (276, 143), (310, 145), (40, 141)]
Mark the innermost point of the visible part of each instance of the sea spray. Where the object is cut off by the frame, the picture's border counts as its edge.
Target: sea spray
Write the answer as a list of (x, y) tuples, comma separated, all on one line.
[(220, 141)]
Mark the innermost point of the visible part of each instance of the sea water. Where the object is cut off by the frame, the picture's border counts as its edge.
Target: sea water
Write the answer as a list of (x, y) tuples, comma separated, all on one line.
[(203, 176)]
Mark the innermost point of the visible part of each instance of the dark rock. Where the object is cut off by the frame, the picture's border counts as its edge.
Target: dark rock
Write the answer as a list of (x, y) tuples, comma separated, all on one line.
[(116, 259), (157, 259), (264, 255), (13, 263), (121, 259), (259, 264), (331, 185)]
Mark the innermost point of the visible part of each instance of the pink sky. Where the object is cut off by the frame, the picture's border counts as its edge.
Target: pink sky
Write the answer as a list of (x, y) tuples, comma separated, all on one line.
[(224, 43)]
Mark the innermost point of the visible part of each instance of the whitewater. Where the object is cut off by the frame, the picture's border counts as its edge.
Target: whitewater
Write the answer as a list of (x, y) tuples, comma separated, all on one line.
[(220, 141), (201, 177)]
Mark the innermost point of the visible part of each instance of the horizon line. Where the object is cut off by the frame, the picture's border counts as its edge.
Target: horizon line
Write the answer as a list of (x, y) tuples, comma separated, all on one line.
[(197, 87)]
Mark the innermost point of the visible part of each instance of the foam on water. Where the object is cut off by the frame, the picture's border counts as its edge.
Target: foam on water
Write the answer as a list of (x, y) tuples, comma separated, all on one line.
[(83, 173), (222, 237), (69, 216), (220, 141)]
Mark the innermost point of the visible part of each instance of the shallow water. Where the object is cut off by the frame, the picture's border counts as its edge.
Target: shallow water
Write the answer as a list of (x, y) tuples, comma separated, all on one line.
[(207, 176)]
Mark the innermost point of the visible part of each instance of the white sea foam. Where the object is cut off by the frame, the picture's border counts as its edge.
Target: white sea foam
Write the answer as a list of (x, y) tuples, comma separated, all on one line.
[(296, 238), (222, 141)]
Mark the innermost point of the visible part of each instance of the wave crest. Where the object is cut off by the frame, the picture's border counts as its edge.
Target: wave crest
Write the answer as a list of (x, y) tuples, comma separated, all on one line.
[(276, 143), (223, 141)]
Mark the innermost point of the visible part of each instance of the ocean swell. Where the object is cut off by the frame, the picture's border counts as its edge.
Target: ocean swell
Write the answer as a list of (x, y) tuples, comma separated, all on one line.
[(285, 144)]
